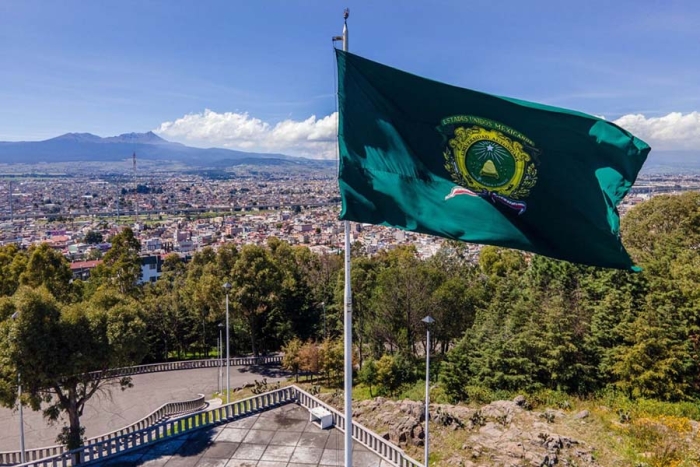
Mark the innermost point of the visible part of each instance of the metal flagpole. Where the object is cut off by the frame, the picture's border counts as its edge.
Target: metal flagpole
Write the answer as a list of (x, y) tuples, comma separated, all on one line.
[(136, 193), (23, 457), (227, 286), (218, 367), (428, 320), (348, 306)]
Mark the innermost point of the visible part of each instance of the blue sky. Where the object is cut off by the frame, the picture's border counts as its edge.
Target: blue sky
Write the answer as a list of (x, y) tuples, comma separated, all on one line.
[(252, 74)]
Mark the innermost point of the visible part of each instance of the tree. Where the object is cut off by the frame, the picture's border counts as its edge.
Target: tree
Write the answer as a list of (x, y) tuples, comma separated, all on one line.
[(48, 267), (321, 272), (256, 285), (368, 375), (456, 300), (294, 312), (204, 295), (93, 237), (121, 266), (653, 362), (364, 277), (332, 361), (663, 235), (310, 359), (403, 295), (387, 375), (94, 254), (455, 374), (64, 352), (500, 262), (291, 360), (173, 264), (165, 310), (13, 261), (226, 257), (659, 230)]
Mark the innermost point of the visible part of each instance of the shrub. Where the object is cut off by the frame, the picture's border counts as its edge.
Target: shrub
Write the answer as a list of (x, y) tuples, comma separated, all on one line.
[(386, 374), (368, 374), (291, 360), (310, 358)]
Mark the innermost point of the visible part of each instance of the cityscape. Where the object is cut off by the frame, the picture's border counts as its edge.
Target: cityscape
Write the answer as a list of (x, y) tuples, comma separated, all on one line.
[(182, 214), (426, 234)]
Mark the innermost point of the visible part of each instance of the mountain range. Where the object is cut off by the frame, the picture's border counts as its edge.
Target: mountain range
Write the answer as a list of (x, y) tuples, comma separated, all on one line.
[(672, 162), (86, 147)]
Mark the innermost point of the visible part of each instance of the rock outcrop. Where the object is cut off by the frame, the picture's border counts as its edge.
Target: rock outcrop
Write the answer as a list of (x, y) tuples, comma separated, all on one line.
[(503, 433)]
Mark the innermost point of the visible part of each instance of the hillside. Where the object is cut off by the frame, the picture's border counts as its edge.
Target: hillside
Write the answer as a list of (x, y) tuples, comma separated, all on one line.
[(86, 147), (541, 431)]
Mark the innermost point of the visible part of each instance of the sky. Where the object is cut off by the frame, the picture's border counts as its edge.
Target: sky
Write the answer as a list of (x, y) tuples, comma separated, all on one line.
[(259, 75)]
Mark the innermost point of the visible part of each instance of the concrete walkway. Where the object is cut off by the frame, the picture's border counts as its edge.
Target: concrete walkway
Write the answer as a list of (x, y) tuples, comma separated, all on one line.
[(282, 437), (114, 409)]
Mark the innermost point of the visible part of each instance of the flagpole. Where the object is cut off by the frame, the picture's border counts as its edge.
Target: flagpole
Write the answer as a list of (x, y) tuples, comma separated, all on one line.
[(348, 313)]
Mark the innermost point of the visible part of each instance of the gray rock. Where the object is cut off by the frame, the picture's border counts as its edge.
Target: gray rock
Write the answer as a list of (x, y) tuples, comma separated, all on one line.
[(581, 415), (509, 435)]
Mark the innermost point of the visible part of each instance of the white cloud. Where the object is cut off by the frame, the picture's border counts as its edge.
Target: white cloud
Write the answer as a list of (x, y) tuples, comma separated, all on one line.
[(673, 131), (313, 137)]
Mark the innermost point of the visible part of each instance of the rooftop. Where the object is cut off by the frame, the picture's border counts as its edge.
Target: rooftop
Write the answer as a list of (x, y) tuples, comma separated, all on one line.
[(281, 437)]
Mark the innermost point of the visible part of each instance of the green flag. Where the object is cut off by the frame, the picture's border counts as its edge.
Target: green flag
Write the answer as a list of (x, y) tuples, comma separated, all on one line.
[(433, 158)]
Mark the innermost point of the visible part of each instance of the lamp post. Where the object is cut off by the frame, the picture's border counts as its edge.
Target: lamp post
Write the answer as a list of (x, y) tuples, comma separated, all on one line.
[(428, 320), (227, 287), (21, 412), (221, 358), (323, 305)]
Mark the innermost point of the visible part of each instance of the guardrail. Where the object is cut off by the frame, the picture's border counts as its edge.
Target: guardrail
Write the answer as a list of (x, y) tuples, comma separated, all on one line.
[(389, 451), (224, 414), (168, 409), (168, 429), (165, 411), (186, 365), (14, 457)]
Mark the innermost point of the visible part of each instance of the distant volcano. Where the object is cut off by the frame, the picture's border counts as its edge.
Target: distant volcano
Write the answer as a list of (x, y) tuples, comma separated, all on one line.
[(86, 147)]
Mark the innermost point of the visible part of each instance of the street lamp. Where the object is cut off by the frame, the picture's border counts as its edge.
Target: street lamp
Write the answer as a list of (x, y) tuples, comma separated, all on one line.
[(227, 286), (21, 412), (221, 358), (428, 320), (325, 333)]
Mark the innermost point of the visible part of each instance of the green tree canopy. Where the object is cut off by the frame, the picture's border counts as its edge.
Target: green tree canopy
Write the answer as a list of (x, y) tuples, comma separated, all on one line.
[(49, 268), (93, 237), (13, 262), (64, 352), (121, 266), (256, 281)]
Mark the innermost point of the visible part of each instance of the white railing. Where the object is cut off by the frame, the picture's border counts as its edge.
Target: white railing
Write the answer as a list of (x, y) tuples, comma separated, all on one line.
[(389, 451), (186, 365), (167, 429), (166, 410), (170, 428)]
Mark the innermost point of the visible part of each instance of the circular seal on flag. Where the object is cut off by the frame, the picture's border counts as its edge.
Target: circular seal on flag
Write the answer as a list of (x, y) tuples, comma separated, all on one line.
[(491, 164)]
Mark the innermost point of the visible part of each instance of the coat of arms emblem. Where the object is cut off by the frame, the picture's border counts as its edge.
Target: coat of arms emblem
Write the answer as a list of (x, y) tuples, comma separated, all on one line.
[(490, 160)]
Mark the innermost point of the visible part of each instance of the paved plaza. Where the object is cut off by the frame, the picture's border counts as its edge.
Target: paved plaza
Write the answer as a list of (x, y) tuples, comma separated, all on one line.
[(282, 437), (114, 409)]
